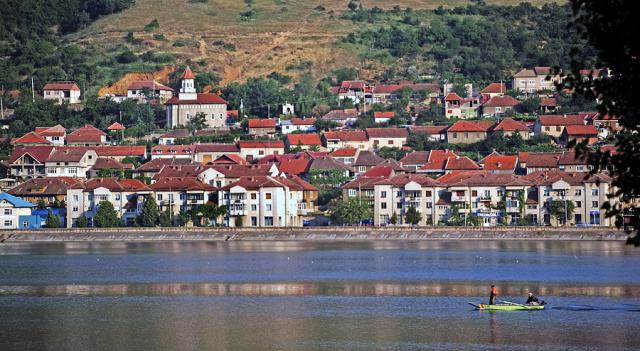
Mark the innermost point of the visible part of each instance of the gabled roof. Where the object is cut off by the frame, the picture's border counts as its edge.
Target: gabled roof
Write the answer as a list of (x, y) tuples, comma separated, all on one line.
[(351, 135), (548, 102), (580, 130), (550, 177), (304, 185), (172, 150), (431, 130), (303, 121), (257, 182), (492, 179), (30, 138), (367, 158), (345, 152), (525, 73), (62, 85), (237, 171), (178, 171), (470, 126), (88, 133), (15, 201), (120, 150), (395, 165), (261, 144), (341, 115), (502, 101), (109, 163), (494, 88), (457, 176), (511, 125), (379, 171), (560, 120), (229, 159), (113, 184), (363, 183), (262, 123), (572, 158), (303, 139), (437, 160), (387, 132), (44, 186), (67, 154), (38, 153), (540, 159), (201, 99)]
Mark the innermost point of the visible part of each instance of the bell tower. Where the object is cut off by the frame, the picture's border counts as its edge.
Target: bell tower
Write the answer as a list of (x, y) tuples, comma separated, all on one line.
[(188, 89)]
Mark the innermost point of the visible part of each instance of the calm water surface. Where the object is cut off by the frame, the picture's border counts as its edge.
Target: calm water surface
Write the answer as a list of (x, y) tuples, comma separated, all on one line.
[(317, 296)]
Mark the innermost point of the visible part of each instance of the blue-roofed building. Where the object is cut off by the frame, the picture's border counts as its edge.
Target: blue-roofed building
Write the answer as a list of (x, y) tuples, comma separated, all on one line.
[(43, 213), (12, 209)]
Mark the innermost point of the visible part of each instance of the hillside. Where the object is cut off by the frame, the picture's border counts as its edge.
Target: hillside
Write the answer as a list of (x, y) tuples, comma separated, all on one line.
[(287, 36)]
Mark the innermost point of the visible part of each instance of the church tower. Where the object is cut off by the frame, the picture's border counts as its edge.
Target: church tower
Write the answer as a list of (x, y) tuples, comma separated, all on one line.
[(188, 89)]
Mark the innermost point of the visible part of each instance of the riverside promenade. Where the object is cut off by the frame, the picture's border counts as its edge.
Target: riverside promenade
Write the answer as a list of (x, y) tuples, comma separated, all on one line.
[(312, 234)]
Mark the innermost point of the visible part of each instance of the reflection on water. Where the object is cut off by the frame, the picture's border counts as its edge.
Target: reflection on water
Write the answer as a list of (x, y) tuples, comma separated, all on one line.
[(317, 296)]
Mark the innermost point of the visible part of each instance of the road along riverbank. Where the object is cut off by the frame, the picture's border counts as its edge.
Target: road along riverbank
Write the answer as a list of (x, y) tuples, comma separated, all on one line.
[(311, 234)]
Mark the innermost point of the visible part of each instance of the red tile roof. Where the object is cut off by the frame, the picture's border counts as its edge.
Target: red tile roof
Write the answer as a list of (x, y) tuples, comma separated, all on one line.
[(232, 113), (470, 126), (88, 133), (262, 123), (294, 166), (172, 150), (109, 163), (415, 158), (157, 164), (497, 162), (115, 126), (339, 115), (61, 86), (461, 163), (437, 160), (387, 132), (120, 150), (180, 184), (305, 186), (511, 125), (303, 139), (30, 138), (56, 130), (494, 88), (67, 154), (589, 130), (431, 130), (401, 180), (363, 183), (202, 98), (188, 74), (113, 184), (257, 182), (237, 171), (38, 153), (228, 159), (260, 144), (352, 135), (177, 171), (379, 171), (383, 114), (452, 97), (572, 158), (540, 159), (303, 121), (209, 147), (44, 186), (560, 120), (502, 101), (548, 102), (344, 152)]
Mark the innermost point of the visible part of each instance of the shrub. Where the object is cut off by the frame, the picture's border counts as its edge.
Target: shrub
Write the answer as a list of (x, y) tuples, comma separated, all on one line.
[(127, 57), (151, 26), (159, 37)]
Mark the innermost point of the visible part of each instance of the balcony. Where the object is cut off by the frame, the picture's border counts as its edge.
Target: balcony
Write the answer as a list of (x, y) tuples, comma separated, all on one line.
[(416, 203), (457, 198), (237, 210), (485, 198)]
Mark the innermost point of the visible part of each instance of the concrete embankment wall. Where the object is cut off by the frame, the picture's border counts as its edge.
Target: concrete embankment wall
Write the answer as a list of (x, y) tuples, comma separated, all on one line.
[(311, 234)]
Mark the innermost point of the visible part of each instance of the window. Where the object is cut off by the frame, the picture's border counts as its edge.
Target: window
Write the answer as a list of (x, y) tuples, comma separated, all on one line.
[(399, 205), (182, 197), (578, 192), (547, 128), (578, 218), (254, 196), (580, 168), (72, 170), (159, 197), (500, 192), (594, 192), (268, 207), (384, 219), (427, 193), (545, 191), (352, 192), (466, 135), (455, 135), (8, 212), (558, 128), (383, 205), (532, 207), (8, 223), (399, 193), (52, 170), (75, 208), (362, 168), (578, 204), (498, 109), (267, 196), (474, 193), (76, 198), (268, 221), (117, 197), (390, 142), (254, 207), (25, 224), (594, 204), (260, 152), (429, 205), (383, 194)]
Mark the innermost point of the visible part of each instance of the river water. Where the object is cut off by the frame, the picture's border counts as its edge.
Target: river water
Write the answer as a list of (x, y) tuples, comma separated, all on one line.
[(317, 296)]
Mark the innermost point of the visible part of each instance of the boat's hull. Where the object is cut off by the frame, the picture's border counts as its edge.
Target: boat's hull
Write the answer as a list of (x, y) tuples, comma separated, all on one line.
[(507, 307)]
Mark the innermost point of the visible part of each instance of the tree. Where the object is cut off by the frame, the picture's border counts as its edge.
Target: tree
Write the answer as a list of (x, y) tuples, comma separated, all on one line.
[(197, 122), (165, 219), (352, 211), (53, 220), (106, 216), (412, 216), (562, 209), (82, 221), (611, 27), (150, 214), (394, 218), (41, 204)]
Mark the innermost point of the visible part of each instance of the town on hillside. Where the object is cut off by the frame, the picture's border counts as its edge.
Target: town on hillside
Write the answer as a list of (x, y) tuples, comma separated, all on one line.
[(425, 154)]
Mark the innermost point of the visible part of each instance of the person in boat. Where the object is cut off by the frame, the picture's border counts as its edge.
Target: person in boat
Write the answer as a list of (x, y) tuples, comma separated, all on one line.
[(494, 294), (532, 299)]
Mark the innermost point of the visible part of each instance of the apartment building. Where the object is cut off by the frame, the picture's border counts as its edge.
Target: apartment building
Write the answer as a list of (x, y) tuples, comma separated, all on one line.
[(397, 194)]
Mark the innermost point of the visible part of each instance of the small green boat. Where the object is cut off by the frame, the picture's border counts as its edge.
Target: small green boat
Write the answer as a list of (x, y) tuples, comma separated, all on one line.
[(507, 306)]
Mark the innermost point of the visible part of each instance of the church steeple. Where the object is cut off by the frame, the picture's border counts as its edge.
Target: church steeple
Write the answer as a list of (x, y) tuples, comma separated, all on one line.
[(188, 89)]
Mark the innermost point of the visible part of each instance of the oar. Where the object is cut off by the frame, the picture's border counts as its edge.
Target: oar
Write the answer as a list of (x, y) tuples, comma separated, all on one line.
[(516, 304)]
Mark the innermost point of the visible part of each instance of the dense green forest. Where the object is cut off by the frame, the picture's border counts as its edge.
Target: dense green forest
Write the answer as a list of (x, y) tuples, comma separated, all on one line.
[(31, 44), (479, 43)]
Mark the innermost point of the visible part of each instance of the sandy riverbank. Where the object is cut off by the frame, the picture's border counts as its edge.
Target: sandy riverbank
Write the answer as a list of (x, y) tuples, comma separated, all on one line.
[(311, 234)]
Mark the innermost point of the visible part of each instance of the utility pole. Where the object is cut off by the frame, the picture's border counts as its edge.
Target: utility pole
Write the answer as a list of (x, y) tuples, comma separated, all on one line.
[(2, 104), (33, 92)]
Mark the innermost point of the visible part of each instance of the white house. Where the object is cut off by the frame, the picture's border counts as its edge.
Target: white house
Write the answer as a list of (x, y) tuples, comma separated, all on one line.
[(11, 209), (60, 92), (304, 125)]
